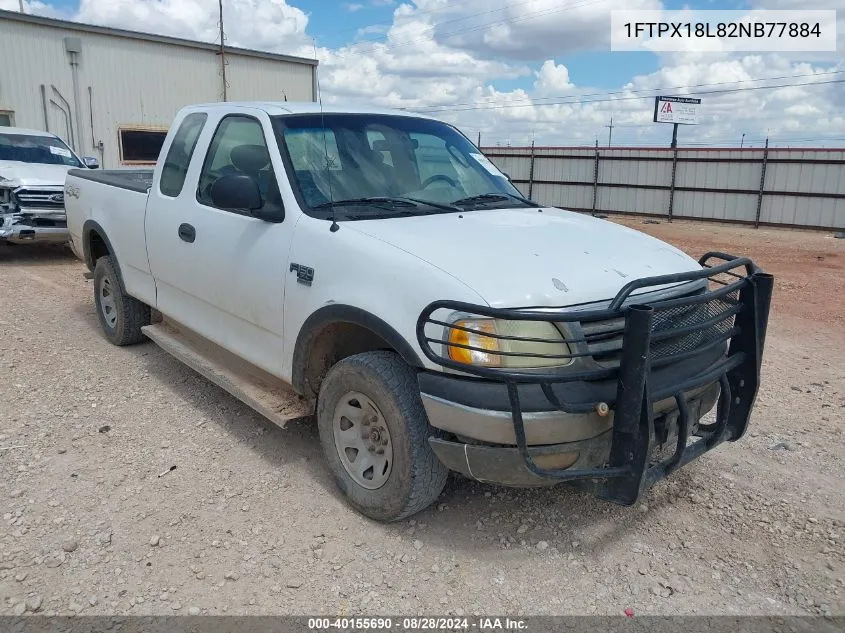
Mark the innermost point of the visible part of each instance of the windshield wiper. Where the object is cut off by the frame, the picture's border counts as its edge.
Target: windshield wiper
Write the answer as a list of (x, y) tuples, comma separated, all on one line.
[(384, 202), (436, 205), (493, 197), (374, 201)]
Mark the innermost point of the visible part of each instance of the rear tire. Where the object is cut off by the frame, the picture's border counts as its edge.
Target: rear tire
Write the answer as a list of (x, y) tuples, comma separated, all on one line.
[(407, 476), (120, 315)]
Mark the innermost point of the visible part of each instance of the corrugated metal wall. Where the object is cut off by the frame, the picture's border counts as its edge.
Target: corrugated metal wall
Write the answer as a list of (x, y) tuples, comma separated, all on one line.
[(767, 186), (133, 82)]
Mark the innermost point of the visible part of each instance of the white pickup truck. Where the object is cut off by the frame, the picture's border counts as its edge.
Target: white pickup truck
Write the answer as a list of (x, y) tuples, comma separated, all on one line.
[(374, 268), (33, 168)]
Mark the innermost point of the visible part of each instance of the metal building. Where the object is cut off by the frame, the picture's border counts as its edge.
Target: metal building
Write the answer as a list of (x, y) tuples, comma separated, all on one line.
[(112, 94)]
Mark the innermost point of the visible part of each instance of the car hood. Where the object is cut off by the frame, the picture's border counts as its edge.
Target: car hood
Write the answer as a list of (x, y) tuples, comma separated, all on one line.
[(531, 257), (17, 174)]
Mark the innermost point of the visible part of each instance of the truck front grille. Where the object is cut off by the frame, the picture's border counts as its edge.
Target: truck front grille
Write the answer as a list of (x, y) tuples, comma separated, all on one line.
[(41, 198), (677, 331)]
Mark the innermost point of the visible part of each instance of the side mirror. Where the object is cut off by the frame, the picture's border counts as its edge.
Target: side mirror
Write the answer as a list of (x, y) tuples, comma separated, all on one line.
[(269, 213), (238, 192), (91, 162)]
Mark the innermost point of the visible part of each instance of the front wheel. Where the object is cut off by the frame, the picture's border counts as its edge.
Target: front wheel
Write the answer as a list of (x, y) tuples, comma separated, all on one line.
[(374, 431), (120, 315)]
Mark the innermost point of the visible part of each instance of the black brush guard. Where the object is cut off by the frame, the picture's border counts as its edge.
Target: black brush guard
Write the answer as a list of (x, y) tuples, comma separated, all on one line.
[(732, 312)]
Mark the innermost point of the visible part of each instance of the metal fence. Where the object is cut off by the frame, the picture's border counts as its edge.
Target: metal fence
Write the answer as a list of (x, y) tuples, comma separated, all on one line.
[(760, 186)]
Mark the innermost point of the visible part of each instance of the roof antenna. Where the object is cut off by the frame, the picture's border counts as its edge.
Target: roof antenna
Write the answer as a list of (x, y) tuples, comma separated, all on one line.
[(334, 226)]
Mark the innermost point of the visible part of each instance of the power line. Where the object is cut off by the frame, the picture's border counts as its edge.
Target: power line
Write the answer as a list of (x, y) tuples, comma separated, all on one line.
[(578, 101), (530, 16), (663, 90)]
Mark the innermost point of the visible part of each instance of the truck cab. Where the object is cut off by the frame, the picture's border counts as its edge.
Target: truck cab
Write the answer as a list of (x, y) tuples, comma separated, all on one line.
[(375, 270)]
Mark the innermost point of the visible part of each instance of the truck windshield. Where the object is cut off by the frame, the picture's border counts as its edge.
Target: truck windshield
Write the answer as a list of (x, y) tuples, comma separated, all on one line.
[(362, 166), (26, 148)]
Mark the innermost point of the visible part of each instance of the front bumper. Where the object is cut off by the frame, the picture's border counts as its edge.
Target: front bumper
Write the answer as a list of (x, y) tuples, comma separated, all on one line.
[(34, 226), (608, 425), (485, 446)]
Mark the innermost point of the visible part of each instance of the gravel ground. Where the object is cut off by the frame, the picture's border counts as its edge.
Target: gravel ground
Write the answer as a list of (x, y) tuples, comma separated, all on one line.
[(130, 485)]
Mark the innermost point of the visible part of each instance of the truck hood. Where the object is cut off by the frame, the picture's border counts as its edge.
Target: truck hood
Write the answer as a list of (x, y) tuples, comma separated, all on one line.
[(530, 257), (17, 174)]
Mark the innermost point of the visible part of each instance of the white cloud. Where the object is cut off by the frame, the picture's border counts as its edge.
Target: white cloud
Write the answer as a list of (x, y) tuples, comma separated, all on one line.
[(457, 56), (29, 6), (409, 69), (261, 24), (837, 5), (372, 29), (529, 29), (552, 79), (352, 7)]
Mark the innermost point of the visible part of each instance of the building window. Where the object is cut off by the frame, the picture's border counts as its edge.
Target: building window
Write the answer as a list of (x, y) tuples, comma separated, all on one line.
[(140, 146), (7, 118)]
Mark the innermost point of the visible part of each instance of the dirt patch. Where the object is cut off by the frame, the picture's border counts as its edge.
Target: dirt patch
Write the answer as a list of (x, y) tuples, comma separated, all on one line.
[(809, 266), (97, 521)]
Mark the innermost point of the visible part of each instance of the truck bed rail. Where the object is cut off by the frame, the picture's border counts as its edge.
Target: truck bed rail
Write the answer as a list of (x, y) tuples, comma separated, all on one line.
[(723, 323), (139, 180)]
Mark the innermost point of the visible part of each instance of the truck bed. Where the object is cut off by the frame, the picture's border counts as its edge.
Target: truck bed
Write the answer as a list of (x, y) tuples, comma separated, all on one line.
[(139, 180)]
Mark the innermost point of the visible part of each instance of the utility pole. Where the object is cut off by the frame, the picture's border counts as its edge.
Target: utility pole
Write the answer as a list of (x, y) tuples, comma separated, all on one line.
[(21, 3), (742, 141), (610, 132), (674, 136), (479, 139), (222, 52)]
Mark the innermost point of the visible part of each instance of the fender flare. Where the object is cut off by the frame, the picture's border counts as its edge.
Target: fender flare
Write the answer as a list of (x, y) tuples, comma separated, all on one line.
[(341, 313), (89, 227)]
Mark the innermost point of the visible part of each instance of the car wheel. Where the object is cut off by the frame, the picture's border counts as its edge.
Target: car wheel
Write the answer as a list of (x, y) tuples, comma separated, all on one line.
[(120, 315), (374, 432)]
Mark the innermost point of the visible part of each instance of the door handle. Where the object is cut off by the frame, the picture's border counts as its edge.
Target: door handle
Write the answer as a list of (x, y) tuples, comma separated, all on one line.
[(187, 233)]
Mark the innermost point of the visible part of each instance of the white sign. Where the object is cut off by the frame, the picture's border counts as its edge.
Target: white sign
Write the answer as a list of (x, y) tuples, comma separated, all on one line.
[(59, 151), (683, 110)]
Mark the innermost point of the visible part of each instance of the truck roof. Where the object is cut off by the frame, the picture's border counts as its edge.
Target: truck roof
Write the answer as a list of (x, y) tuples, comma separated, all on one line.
[(24, 131), (304, 107)]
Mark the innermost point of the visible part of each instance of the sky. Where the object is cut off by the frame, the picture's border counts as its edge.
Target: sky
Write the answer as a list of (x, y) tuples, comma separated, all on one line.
[(518, 70)]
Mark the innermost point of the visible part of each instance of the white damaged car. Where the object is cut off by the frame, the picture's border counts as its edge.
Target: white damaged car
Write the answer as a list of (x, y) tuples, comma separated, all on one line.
[(33, 166)]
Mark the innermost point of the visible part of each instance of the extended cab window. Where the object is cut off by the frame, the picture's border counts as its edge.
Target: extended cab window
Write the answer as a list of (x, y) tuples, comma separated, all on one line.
[(238, 147), (179, 155)]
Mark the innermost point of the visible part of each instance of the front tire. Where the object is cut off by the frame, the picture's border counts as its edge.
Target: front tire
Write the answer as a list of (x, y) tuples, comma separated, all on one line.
[(120, 315), (374, 432)]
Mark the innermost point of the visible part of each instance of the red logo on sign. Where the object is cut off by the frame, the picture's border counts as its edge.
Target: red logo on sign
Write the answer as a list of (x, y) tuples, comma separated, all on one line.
[(666, 108)]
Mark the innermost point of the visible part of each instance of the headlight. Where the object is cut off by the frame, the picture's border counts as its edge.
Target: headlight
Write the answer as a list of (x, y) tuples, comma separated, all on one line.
[(495, 352)]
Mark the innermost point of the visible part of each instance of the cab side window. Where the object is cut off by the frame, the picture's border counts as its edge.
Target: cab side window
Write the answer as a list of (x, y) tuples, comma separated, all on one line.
[(178, 159), (239, 148)]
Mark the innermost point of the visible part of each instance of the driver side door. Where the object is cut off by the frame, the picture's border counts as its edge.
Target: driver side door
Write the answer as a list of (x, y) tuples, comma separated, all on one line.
[(219, 272)]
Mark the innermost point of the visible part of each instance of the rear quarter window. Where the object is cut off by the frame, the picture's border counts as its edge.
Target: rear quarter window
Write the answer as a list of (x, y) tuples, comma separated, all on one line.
[(175, 167)]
